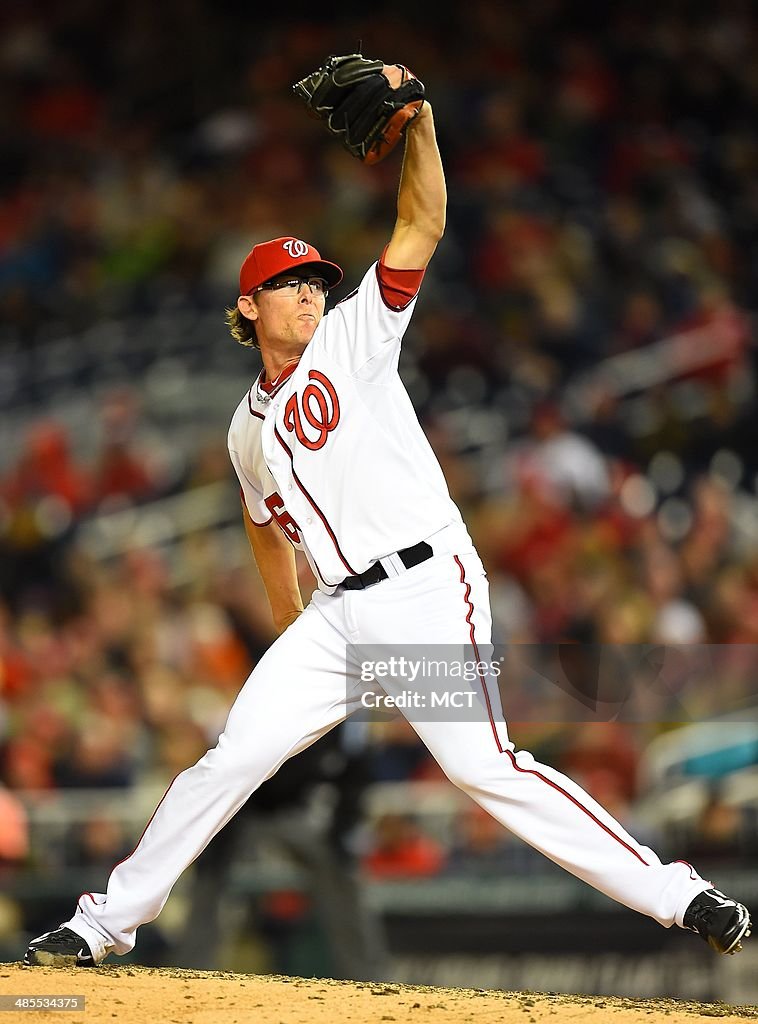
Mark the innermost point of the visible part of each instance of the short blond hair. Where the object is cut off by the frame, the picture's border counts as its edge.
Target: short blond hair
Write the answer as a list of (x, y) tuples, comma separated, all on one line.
[(240, 328)]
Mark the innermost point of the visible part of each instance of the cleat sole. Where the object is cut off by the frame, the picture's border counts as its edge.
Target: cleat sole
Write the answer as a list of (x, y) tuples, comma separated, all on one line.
[(41, 958), (44, 958)]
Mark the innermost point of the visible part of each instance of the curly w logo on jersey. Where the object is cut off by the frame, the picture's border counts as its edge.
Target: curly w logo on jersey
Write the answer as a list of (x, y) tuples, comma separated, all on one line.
[(320, 411)]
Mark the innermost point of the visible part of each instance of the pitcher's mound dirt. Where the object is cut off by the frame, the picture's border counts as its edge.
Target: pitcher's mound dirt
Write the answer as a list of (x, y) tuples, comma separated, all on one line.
[(142, 995)]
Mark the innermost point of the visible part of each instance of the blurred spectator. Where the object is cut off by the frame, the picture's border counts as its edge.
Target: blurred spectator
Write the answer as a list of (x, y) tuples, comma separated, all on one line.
[(14, 832), (480, 846), (99, 842), (45, 469), (98, 760), (401, 850), (567, 465), (603, 748), (126, 470), (717, 834), (677, 621), (397, 752)]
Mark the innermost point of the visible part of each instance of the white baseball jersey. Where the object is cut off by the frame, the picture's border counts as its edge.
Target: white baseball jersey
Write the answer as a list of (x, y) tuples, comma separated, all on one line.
[(335, 452)]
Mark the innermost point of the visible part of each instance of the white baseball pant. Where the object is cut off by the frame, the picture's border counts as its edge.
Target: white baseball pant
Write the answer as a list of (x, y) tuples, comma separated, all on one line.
[(300, 689)]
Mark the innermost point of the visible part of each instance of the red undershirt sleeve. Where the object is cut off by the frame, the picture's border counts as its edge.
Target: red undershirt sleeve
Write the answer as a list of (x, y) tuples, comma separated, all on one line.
[(398, 287)]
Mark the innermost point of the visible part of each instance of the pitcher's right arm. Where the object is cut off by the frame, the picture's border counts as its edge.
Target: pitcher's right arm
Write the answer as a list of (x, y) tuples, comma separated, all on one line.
[(275, 558)]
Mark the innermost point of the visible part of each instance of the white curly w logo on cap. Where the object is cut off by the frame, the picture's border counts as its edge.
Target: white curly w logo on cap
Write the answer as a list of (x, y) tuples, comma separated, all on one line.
[(295, 247)]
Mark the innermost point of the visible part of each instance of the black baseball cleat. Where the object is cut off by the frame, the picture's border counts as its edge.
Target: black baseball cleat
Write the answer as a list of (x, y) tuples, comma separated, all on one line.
[(59, 948), (722, 922)]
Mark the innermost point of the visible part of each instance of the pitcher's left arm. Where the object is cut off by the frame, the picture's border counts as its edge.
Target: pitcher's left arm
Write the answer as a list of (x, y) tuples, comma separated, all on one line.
[(422, 198)]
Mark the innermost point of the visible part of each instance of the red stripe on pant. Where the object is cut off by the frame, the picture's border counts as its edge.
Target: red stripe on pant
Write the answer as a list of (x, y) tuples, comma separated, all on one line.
[(144, 830), (555, 786), (516, 766), (467, 599)]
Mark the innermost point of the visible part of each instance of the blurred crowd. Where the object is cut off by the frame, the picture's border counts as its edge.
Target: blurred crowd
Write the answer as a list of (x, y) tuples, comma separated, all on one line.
[(602, 174)]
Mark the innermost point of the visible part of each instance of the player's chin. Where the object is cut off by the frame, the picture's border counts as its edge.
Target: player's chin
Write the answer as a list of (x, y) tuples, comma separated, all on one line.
[(307, 328)]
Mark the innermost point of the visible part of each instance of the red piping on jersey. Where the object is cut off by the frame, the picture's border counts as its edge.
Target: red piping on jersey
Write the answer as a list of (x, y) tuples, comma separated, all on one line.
[(313, 505), (352, 295), (242, 496), (250, 404), (292, 542), (467, 599), (244, 505), (242, 493), (270, 387)]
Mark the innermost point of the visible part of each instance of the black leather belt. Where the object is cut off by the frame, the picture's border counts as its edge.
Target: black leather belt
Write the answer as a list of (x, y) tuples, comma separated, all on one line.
[(408, 556)]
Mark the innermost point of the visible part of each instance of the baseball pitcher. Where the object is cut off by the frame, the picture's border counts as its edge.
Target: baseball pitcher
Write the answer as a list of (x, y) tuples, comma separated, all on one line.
[(332, 461)]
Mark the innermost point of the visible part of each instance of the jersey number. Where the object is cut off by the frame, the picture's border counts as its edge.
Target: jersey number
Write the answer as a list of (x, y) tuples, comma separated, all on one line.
[(286, 523), (320, 410)]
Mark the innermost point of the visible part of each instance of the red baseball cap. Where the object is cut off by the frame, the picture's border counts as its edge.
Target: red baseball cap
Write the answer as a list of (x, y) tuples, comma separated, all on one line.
[(268, 259)]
